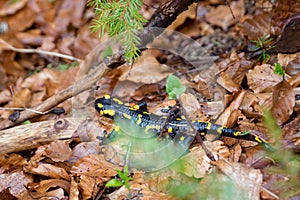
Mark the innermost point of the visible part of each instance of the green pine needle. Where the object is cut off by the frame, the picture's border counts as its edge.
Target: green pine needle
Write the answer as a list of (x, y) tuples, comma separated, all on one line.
[(121, 21)]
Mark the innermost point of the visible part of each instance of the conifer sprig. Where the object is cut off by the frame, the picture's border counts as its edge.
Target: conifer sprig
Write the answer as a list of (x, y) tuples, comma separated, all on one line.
[(121, 20)]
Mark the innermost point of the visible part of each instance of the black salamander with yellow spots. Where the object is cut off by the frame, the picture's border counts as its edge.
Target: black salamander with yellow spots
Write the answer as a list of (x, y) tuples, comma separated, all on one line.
[(177, 127)]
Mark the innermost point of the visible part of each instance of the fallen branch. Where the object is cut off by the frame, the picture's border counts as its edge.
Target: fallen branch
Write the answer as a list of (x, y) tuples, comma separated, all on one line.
[(31, 136)]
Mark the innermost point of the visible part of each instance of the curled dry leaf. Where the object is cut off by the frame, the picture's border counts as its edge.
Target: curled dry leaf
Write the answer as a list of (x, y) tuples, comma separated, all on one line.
[(262, 78), (93, 165), (45, 185), (85, 148), (190, 104), (16, 183), (196, 164), (252, 103), (226, 82), (8, 8), (247, 180), (58, 151), (146, 69), (47, 170), (257, 26), (221, 16), (229, 116), (291, 135), (283, 101)]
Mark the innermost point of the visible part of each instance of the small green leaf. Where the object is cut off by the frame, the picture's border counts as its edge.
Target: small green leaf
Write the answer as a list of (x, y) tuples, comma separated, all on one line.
[(174, 87), (278, 69), (114, 183), (26, 122)]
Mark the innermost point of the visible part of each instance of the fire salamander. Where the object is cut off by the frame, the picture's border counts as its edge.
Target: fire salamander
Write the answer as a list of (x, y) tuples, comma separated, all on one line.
[(177, 127)]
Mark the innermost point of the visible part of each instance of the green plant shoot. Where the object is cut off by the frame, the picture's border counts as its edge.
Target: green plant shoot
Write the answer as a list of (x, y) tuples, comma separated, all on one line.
[(124, 176), (174, 87), (278, 69)]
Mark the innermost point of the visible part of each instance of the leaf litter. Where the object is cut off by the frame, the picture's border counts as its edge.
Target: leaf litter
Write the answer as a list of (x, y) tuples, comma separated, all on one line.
[(78, 169)]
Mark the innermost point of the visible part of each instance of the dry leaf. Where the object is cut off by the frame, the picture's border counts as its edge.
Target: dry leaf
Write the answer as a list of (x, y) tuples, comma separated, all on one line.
[(226, 82), (48, 170), (45, 185), (85, 148), (221, 16), (291, 135), (147, 70), (93, 165), (257, 26), (196, 163), (8, 8), (252, 103), (16, 183), (262, 78), (58, 151), (283, 101), (247, 180), (227, 118)]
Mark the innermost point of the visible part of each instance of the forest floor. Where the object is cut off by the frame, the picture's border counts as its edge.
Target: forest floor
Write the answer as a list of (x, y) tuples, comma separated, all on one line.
[(239, 63)]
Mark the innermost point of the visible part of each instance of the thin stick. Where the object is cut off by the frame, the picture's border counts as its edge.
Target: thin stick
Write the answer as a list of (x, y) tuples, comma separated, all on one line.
[(20, 50), (79, 86)]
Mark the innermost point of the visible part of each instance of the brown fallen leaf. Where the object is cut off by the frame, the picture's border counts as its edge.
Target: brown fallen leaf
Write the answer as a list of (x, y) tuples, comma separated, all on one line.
[(283, 101), (253, 102), (291, 135), (257, 25), (48, 170), (262, 78), (229, 117), (16, 183), (12, 160), (58, 151), (222, 17), (8, 8), (45, 185), (227, 82), (246, 180), (146, 69), (94, 165), (196, 163)]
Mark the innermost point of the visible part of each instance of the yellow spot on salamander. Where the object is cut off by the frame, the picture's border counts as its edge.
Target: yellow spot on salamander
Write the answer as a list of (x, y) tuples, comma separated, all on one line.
[(126, 116), (219, 130), (181, 138), (100, 105), (139, 120), (178, 119), (208, 126), (182, 117), (146, 113), (101, 112), (170, 130), (202, 133), (109, 112), (157, 127), (117, 128), (107, 96), (136, 107), (237, 133), (258, 139), (118, 101)]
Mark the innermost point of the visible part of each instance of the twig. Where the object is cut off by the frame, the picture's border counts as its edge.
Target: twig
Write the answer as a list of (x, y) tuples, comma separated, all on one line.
[(79, 86), (20, 50), (196, 133)]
